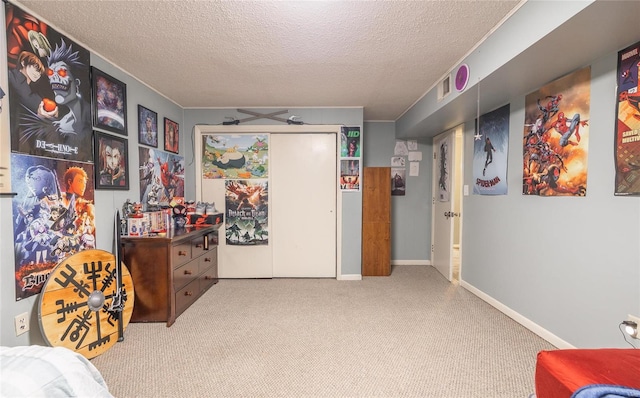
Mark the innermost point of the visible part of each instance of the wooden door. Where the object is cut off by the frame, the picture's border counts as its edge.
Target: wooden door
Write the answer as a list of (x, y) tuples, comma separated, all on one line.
[(376, 221)]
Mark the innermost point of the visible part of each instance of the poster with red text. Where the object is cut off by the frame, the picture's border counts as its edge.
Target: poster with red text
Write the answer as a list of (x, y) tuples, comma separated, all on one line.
[(628, 122)]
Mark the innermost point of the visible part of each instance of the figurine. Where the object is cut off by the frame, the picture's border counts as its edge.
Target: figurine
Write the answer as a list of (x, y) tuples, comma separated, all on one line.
[(137, 210)]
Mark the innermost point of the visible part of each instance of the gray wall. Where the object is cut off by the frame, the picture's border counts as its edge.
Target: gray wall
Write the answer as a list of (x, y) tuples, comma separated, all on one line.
[(410, 214), (351, 201), (570, 265)]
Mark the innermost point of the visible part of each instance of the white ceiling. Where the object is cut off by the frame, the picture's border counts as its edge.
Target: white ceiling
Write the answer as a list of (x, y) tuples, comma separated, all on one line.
[(380, 55)]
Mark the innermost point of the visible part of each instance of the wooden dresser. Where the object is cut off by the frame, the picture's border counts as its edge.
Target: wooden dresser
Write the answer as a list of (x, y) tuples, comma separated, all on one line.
[(171, 272)]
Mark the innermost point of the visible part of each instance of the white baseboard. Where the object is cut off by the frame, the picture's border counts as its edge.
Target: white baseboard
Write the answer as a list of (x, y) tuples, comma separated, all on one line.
[(410, 262), (527, 323), (349, 277)]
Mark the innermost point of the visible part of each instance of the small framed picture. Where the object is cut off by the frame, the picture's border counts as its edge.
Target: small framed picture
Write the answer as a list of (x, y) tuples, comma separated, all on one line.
[(112, 161), (109, 102), (171, 136), (147, 127)]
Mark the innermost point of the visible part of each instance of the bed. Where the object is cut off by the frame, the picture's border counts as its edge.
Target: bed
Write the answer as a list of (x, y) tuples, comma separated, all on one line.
[(38, 371), (595, 372)]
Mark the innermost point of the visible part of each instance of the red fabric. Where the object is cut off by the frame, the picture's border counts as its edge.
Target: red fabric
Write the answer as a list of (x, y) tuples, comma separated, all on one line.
[(559, 373)]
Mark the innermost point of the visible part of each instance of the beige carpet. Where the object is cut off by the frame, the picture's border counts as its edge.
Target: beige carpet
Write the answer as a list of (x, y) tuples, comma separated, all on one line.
[(412, 334)]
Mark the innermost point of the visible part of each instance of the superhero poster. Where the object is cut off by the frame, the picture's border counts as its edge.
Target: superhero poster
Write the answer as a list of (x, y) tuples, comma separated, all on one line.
[(556, 137), (49, 90), (247, 210), (628, 123), (53, 216), (243, 156), (161, 178), (490, 149)]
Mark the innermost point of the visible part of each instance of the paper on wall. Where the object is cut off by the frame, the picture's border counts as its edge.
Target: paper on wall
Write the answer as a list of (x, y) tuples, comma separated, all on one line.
[(401, 149), (415, 156), (414, 169)]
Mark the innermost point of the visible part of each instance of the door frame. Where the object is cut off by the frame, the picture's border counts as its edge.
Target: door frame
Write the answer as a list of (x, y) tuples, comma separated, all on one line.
[(200, 130)]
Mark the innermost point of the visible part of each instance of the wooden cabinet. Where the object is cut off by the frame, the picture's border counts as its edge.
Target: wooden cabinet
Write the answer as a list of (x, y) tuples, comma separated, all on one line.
[(376, 221), (170, 272)]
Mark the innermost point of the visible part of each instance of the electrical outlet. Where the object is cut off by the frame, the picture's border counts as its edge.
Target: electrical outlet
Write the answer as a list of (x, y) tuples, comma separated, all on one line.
[(22, 323)]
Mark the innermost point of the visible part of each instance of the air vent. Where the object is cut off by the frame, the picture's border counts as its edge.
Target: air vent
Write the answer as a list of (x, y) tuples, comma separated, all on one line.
[(444, 88)]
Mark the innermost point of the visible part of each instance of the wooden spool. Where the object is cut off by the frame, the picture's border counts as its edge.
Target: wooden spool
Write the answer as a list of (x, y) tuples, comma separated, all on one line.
[(76, 303)]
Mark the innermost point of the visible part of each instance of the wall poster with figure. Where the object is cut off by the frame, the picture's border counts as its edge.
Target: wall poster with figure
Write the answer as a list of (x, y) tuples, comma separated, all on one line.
[(112, 161), (243, 156), (490, 150), (628, 122), (443, 168), (161, 177), (246, 212), (49, 90), (556, 137), (350, 174), (53, 216)]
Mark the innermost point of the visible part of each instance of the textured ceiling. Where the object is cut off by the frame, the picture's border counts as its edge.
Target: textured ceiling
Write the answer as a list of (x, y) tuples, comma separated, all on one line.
[(381, 55)]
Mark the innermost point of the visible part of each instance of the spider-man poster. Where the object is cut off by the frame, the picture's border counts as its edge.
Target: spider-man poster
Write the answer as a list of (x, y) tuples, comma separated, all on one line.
[(556, 137), (490, 149), (53, 216), (628, 124), (49, 90), (161, 178)]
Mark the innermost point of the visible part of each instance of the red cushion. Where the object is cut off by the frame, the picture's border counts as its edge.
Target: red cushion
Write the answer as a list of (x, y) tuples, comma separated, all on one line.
[(559, 373)]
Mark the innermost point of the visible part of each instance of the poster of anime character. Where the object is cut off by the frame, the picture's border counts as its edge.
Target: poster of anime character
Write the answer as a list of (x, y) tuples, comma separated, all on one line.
[(49, 90), (398, 178), (161, 178), (556, 137), (628, 123), (247, 209), (490, 149), (53, 216), (443, 164), (350, 175), (243, 156), (350, 142)]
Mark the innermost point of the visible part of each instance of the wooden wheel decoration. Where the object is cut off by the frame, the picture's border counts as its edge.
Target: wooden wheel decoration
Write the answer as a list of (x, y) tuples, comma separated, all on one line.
[(81, 306)]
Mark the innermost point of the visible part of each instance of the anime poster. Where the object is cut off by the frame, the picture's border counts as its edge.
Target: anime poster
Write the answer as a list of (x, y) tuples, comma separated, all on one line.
[(247, 205), (350, 175), (628, 125), (350, 142), (243, 156), (398, 178), (49, 90), (53, 216), (490, 149), (556, 137), (443, 165), (161, 177)]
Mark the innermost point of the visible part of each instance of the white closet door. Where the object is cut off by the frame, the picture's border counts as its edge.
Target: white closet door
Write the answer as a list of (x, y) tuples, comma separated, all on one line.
[(302, 200)]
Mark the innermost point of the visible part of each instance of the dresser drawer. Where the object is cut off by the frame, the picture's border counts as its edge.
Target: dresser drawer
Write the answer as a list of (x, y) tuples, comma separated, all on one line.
[(208, 260), (180, 254), (185, 274), (208, 278), (187, 296), (198, 246)]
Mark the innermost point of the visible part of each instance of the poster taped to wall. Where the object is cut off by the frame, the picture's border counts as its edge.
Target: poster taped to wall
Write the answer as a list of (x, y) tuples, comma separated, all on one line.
[(350, 175), (241, 156), (49, 90), (161, 177), (443, 165), (556, 137), (53, 216), (490, 149), (398, 178), (247, 210), (628, 122), (350, 142)]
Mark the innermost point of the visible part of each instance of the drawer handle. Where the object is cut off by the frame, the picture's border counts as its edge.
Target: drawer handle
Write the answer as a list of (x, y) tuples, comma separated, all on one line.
[(207, 260), (187, 272), (208, 278), (198, 245), (182, 253), (188, 293)]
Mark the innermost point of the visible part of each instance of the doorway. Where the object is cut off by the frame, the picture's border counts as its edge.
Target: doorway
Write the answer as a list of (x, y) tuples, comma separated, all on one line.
[(446, 231)]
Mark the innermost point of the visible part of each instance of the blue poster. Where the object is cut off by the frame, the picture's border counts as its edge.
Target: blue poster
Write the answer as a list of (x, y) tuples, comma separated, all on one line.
[(490, 150)]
